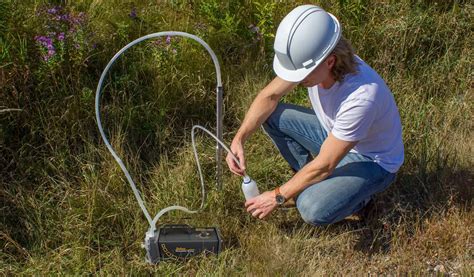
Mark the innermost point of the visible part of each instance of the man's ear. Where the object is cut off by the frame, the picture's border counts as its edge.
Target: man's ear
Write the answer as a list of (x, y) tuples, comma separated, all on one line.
[(331, 61)]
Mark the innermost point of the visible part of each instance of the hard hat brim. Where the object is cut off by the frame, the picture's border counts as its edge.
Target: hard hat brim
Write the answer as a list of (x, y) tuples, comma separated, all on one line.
[(294, 76)]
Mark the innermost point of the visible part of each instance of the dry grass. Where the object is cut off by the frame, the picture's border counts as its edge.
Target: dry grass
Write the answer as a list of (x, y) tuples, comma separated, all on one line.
[(65, 205)]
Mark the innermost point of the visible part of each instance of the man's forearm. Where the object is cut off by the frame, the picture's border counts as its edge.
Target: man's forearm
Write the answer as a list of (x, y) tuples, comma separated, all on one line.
[(258, 112), (310, 174)]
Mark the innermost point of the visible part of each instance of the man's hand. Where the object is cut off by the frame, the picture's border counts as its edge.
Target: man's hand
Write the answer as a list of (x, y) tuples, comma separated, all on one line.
[(237, 148), (262, 205)]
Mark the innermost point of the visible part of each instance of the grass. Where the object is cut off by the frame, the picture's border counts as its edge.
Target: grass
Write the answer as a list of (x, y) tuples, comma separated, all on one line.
[(67, 209)]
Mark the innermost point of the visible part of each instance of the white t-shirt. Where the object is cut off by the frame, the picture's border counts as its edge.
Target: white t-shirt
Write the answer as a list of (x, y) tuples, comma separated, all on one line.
[(362, 108)]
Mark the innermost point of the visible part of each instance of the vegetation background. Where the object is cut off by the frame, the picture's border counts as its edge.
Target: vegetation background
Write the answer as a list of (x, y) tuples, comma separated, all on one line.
[(67, 209)]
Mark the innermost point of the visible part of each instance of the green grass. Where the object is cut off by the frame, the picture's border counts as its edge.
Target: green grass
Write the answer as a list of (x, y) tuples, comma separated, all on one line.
[(67, 209)]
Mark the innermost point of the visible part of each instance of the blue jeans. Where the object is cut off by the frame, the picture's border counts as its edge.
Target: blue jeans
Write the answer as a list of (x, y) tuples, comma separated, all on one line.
[(298, 135)]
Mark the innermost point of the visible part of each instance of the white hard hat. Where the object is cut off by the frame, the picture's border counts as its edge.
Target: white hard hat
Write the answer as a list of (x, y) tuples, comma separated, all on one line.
[(305, 37)]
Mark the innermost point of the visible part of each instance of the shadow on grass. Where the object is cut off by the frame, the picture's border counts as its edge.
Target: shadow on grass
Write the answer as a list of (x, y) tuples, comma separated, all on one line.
[(409, 201)]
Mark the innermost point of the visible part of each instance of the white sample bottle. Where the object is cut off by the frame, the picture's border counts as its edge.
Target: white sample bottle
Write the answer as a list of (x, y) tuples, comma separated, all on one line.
[(249, 188)]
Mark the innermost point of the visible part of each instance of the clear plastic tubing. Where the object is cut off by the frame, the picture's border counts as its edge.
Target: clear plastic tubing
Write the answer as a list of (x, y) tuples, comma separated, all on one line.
[(104, 137)]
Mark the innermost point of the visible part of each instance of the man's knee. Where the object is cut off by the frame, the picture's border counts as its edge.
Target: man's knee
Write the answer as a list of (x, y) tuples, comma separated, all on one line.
[(312, 212), (317, 217)]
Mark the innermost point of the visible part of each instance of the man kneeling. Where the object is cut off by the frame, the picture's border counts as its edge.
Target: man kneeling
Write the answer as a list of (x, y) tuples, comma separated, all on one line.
[(353, 131)]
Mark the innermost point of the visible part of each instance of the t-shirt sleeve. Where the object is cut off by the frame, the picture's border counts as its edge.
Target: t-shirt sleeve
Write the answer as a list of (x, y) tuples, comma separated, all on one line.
[(354, 119)]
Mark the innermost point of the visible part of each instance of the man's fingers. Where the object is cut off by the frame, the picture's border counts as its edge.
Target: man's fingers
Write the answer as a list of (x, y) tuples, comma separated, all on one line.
[(242, 162), (249, 202), (256, 213), (237, 168), (233, 166), (238, 172), (233, 171)]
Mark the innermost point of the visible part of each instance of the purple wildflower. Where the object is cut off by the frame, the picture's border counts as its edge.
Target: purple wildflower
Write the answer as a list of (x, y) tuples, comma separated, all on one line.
[(168, 39), (61, 36), (39, 38), (64, 17), (60, 24), (48, 55), (47, 43), (174, 51), (133, 13), (53, 10), (254, 29), (44, 41)]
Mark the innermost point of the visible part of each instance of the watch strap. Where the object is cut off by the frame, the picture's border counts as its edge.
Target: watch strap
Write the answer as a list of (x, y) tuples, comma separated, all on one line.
[(278, 195)]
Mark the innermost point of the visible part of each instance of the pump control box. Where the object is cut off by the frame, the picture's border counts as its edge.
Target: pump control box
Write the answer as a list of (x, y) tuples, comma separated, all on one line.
[(181, 241)]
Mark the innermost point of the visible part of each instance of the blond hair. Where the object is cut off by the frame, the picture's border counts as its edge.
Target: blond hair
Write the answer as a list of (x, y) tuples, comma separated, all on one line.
[(345, 61)]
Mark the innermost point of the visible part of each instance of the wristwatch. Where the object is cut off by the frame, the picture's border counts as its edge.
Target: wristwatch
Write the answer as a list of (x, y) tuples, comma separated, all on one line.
[(280, 199)]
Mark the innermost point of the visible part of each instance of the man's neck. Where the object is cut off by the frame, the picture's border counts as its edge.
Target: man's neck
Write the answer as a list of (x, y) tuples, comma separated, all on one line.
[(328, 83)]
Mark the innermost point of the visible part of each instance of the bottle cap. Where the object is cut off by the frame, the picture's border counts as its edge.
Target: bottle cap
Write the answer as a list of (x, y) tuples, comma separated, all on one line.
[(246, 179)]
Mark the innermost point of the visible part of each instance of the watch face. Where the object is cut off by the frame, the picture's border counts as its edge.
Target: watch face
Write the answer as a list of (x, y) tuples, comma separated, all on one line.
[(280, 199)]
